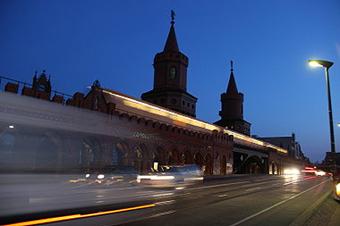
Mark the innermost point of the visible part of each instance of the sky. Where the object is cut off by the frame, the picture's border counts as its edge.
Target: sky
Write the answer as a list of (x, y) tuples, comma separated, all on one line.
[(270, 41)]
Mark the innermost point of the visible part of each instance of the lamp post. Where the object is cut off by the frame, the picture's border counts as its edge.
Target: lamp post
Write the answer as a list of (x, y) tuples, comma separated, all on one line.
[(326, 65)]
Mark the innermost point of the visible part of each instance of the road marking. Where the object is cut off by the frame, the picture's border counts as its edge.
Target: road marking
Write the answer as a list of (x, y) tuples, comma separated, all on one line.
[(163, 194), (275, 205), (164, 203), (218, 185), (223, 195), (162, 214), (299, 180), (78, 216), (253, 189)]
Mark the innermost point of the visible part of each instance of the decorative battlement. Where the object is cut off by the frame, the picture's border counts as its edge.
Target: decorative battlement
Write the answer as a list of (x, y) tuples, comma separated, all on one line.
[(40, 89)]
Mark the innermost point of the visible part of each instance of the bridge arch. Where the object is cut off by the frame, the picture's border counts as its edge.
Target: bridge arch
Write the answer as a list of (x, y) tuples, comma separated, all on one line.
[(208, 165), (198, 159), (223, 167), (253, 165)]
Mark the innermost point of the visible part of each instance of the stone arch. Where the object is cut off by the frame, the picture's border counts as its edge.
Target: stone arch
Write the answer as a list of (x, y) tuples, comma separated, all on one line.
[(148, 122), (188, 158), (162, 126), (208, 162), (138, 159), (273, 168), (173, 157), (253, 165), (198, 159), (161, 155), (140, 120), (46, 154), (123, 153), (223, 167), (124, 116), (155, 125)]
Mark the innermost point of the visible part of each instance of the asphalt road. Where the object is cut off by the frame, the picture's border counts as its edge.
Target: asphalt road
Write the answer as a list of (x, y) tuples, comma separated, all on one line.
[(249, 200), (263, 201)]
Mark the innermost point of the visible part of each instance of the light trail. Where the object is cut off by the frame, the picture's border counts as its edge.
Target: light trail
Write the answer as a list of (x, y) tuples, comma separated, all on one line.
[(78, 216)]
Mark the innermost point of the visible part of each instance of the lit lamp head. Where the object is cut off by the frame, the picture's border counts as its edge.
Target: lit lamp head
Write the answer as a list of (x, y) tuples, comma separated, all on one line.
[(320, 63)]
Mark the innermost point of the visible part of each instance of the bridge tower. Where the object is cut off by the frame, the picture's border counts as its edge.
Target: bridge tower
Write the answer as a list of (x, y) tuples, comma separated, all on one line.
[(170, 78), (232, 108)]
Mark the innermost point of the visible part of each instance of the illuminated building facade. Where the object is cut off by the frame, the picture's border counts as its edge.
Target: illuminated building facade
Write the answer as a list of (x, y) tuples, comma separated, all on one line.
[(75, 135)]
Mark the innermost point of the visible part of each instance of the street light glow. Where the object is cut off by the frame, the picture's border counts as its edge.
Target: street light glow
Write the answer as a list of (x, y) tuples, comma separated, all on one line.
[(314, 63), (320, 63)]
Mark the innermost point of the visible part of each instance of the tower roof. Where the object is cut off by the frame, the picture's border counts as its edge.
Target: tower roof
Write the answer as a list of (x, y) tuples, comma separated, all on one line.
[(171, 42), (232, 88)]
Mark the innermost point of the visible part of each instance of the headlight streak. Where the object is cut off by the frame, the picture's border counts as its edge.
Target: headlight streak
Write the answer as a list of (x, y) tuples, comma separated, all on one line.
[(154, 177), (291, 171), (100, 176)]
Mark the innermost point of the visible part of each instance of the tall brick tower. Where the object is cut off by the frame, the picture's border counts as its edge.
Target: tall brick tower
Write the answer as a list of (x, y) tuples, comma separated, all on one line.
[(170, 78), (232, 108)]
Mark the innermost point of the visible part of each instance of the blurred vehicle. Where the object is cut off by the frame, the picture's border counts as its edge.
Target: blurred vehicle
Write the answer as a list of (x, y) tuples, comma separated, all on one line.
[(320, 173), (109, 175), (336, 185), (172, 176), (291, 171)]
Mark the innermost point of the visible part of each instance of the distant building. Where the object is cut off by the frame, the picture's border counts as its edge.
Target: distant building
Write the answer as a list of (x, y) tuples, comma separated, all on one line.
[(232, 108), (170, 79), (287, 142)]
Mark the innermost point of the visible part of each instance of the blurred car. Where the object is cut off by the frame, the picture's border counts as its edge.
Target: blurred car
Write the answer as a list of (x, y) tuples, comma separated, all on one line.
[(172, 176), (108, 175)]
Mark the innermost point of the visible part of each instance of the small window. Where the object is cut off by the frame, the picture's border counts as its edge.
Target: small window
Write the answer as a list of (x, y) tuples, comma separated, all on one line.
[(183, 102), (172, 73), (188, 105)]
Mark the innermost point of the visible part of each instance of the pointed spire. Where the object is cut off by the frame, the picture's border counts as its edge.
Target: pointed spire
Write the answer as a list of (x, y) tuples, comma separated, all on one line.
[(171, 42), (232, 88)]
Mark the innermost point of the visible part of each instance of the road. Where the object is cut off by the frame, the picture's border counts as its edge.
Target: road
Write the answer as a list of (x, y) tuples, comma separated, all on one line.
[(247, 200)]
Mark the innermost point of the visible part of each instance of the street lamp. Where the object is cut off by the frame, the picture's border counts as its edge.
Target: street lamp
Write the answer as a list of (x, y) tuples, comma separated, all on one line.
[(326, 65)]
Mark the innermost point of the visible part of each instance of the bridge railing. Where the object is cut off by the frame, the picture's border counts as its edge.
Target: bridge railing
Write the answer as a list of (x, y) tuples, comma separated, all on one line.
[(16, 86)]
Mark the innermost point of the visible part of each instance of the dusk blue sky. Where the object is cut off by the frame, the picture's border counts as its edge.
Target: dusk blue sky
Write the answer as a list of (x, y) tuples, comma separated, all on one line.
[(115, 42)]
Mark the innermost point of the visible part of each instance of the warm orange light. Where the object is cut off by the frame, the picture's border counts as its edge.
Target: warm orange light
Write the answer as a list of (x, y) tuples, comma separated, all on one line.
[(183, 120), (78, 216), (337, 189)]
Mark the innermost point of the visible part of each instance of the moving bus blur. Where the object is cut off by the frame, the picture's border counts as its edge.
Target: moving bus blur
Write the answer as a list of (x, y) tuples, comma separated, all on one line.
[(172, 176)]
